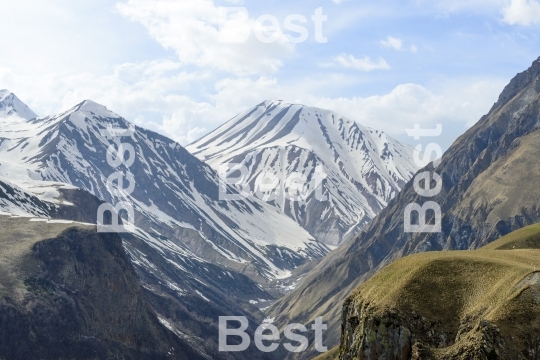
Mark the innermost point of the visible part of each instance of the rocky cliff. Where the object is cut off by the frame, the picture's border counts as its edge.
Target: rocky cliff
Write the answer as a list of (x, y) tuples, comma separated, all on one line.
[(482, 304), (68, 292)]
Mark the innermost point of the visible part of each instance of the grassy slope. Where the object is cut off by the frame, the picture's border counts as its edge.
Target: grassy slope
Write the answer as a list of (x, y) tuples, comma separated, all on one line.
[(332, 354), (526, 238), (495, 189), (500, 285), (18, 237)]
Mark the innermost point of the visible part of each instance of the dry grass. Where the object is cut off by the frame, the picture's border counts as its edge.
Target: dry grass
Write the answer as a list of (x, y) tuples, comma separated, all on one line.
[(17, 236), (499, 285), (332, 354), (526, 238)]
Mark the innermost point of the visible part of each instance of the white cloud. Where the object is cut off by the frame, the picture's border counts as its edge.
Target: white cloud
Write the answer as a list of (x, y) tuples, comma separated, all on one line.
[(152, 94), (397, 44), (522, 12), (448, 102), (409, 104), (364, 64), (188, 94), (392, 42), (145, 93), (192, 30)]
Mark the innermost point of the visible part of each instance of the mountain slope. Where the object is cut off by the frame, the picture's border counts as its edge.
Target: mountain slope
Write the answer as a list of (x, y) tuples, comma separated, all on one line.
[(489, 189), (364, 168), (197, 257), (11, 105), (69, 292), (49, 201), (174, 191), (480, 304)]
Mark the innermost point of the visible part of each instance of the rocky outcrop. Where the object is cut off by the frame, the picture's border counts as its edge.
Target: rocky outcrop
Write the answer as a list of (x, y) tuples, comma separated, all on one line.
[(397, 335), (366, 336), (77, 296), (455, 305)]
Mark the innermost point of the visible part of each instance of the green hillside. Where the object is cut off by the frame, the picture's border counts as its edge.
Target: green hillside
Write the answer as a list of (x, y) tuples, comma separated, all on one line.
[(454, 303), (17, 238)]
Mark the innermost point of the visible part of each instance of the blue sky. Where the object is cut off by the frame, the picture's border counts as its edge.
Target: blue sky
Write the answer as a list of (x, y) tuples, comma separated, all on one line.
[(387, 65)]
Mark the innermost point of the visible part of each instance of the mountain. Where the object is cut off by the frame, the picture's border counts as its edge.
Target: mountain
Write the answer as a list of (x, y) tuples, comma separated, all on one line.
[(67, 292), (363, 168), (489, 189), (480, 304), (11, 105), (15, 201), (196, 256), (48, 200), (174, 192)]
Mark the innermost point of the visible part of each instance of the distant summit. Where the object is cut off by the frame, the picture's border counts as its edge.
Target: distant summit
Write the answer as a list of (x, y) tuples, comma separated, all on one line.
[(364, 167), (11, 105)]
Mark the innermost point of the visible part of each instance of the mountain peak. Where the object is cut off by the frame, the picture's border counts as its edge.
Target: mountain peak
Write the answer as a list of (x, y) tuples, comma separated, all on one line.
[(4, 93), (519, 82), (279, 138), (91, 106), (91, 109), (275, 101), (11, 105)]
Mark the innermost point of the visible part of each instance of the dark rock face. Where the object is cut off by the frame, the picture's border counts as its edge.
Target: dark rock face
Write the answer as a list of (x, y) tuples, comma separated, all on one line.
[(365, 336), (488, 191), (398, 335), (83, 300), (84, 208)]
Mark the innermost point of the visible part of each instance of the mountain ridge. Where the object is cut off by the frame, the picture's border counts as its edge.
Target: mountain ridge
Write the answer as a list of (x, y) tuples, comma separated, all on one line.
[(502, 148), (11, 105), (197, 257), (364, 167)]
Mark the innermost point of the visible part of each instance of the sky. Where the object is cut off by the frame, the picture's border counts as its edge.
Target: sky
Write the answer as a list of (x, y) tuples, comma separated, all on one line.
[(184, 67)]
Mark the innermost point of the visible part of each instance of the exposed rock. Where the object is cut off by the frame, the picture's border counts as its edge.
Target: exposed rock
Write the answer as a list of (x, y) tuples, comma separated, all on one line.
[(75, 295), (455, 305)]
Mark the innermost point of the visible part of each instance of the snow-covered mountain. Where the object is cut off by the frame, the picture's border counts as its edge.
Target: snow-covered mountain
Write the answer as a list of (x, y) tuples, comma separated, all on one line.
[(197, 257), (364, 168), (15, 201), (11, 105), (175, 197)]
